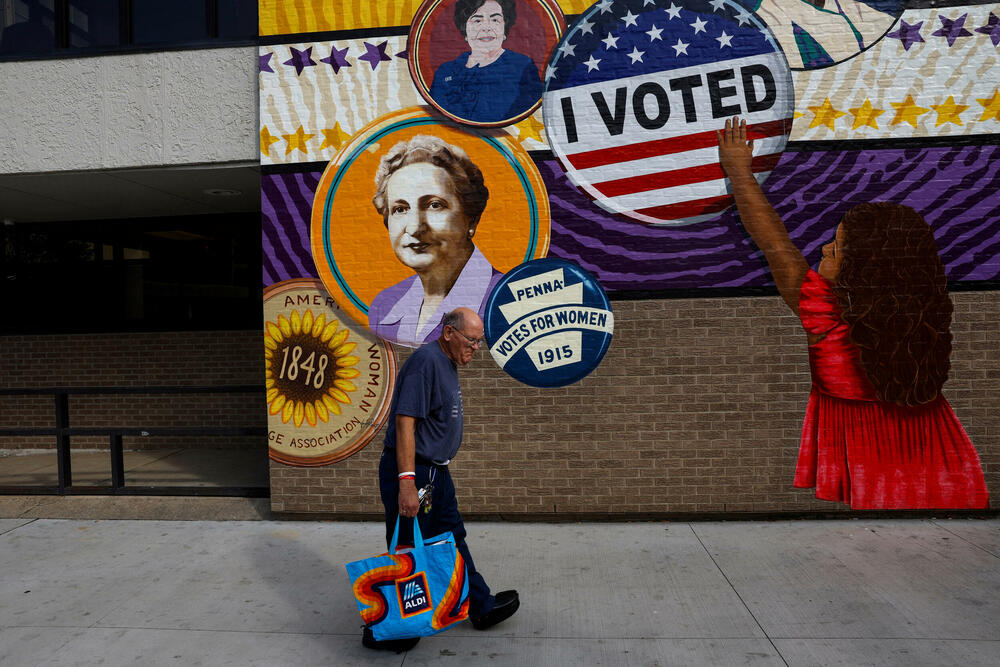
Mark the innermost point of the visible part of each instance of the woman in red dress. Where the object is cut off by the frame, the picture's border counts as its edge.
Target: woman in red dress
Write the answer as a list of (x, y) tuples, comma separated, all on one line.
[(877, 434)]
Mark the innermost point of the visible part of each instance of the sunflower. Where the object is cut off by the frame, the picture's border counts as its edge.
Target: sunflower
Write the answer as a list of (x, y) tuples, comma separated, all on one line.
[(309, 367)]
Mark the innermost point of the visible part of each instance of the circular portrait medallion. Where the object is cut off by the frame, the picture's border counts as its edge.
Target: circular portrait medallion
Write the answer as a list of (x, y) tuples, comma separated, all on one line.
[(636, 91), (482, 62), (548, 323), (415, 217), (329, 382)]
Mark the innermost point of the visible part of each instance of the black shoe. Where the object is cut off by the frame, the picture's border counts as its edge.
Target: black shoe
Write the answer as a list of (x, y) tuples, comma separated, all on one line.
[(398, 645), (505, 603)]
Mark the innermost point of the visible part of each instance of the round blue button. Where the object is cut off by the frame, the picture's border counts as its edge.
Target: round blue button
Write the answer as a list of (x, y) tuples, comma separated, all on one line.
[(548, 323)]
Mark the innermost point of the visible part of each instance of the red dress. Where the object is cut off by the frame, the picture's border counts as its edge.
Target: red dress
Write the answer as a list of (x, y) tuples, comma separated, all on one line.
[(871, 454)]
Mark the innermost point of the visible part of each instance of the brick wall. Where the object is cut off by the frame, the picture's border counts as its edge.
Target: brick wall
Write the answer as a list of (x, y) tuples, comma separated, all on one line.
[(697, 407), (134, 360)]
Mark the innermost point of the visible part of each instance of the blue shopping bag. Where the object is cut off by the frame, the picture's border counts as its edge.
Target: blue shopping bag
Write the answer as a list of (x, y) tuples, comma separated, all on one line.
[(412, 592)]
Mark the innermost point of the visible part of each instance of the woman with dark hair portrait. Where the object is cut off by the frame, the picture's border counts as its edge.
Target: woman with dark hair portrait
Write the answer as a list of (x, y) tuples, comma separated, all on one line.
[(878, 433), (487, 83), (431, 197)]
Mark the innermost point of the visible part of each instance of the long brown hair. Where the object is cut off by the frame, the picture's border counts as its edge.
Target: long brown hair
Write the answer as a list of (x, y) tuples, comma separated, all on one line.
[(893, 294)]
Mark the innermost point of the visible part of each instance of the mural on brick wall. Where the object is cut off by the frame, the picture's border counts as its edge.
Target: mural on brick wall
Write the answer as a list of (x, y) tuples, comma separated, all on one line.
[(610, 161)]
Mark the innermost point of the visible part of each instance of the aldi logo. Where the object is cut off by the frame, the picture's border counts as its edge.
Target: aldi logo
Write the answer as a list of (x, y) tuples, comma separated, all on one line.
[(413, 595)]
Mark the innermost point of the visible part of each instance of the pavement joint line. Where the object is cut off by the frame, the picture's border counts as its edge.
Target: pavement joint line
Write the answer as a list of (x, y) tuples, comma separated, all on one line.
[(742, 601), (30, 520), (964, 539)]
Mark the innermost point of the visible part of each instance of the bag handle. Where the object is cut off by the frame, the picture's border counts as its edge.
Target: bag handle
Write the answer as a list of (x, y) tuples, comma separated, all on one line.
[(418, 539)]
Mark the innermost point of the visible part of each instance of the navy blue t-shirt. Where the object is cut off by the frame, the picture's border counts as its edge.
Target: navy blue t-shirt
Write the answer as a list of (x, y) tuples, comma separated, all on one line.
[(427, 388)]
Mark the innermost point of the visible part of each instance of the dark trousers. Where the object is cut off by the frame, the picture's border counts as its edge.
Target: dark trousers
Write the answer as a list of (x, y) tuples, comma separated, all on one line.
[(443, 517)]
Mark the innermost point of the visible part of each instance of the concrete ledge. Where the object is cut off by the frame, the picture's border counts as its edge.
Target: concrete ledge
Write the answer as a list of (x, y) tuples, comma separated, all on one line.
[(164, 508)]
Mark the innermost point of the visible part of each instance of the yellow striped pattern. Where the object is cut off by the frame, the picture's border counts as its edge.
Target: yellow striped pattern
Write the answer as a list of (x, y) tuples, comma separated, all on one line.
[(284, 17)]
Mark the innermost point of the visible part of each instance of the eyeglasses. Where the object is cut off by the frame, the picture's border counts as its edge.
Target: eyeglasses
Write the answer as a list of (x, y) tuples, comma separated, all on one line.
[(474, 342)]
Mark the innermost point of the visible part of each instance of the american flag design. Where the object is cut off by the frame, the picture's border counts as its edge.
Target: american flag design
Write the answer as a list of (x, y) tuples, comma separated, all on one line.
[(636, 90)]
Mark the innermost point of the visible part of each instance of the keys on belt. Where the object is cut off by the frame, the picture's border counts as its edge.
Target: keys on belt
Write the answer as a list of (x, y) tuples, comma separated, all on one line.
[(424, 496)]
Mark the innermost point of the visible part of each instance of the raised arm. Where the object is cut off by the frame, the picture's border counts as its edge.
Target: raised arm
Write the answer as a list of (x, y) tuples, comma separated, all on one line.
[(788, 266)]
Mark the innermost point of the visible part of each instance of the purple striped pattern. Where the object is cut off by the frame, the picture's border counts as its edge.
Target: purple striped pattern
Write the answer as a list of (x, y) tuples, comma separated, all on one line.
[(955, 188)]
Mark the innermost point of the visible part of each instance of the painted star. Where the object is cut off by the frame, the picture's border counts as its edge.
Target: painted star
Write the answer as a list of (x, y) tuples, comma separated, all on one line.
[(680, 47), (674, 12), (952, 29), (866, 115), (654, 34), (404, 54), (908, 34), (337, 59), (992, 28), (550, 72), (605, 6), (297, 140), (724, 40), (586, 27), (300, 60), (991, 106), (592, 64), (743, 17), (568, 49), (264, 63), (699, 25), (375, 54), (266, 139), (648, 2), (629, 18), (949, 112), (907, 112), (334, 138), (636, 55), (529, 128), (610, 42), (718, 5), (825, 114)]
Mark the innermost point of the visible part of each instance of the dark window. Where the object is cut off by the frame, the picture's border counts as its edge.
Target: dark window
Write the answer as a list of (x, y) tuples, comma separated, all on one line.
[(57, 28), (28, 27), (93, 23), (237, 18), (160, 274), (159, 22)]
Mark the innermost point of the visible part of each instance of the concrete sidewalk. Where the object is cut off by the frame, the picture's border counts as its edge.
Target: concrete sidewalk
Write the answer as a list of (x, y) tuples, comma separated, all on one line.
[(886, 592)]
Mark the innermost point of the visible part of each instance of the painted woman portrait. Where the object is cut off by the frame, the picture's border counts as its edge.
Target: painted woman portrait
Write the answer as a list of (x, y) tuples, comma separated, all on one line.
[(487, 83), (878, 433), (431, 197)]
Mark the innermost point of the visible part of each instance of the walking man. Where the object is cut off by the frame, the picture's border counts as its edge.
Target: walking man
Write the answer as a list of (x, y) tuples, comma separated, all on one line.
[(424, 435)]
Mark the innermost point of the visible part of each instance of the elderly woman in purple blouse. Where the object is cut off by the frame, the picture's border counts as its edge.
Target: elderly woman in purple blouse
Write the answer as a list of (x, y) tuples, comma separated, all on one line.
[(431, 197)]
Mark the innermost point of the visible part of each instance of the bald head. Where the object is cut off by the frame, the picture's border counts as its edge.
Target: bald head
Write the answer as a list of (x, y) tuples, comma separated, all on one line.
[(461, 334)]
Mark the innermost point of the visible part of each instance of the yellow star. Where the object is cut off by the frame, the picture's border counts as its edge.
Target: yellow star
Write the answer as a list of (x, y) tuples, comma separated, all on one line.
[(991, 106), (297, 140), (907, 112), (529, 128), (335, 137), (949, 112), (866, 115), (825, 114), (266, 140), (797, 114)]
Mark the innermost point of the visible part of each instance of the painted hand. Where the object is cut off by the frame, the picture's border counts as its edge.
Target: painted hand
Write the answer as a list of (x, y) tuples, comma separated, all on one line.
[(735, 152)]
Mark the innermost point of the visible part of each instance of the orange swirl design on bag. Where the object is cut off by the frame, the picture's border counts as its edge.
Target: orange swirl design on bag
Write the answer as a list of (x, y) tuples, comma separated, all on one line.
[(365, 586), (452, 609)]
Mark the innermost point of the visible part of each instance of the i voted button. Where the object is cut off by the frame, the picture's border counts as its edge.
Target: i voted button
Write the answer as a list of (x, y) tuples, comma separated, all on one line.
[(548, 323)]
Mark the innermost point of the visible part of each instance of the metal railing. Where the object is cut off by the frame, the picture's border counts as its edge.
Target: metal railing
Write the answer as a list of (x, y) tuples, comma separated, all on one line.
[(63, 432)]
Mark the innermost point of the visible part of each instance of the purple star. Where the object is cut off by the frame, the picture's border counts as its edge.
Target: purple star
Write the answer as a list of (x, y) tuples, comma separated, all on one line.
[(908, 34), (337, 59), (375, 54), (300, 60), (992, 28), (952, 29), (404, 54), (264, 63)]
